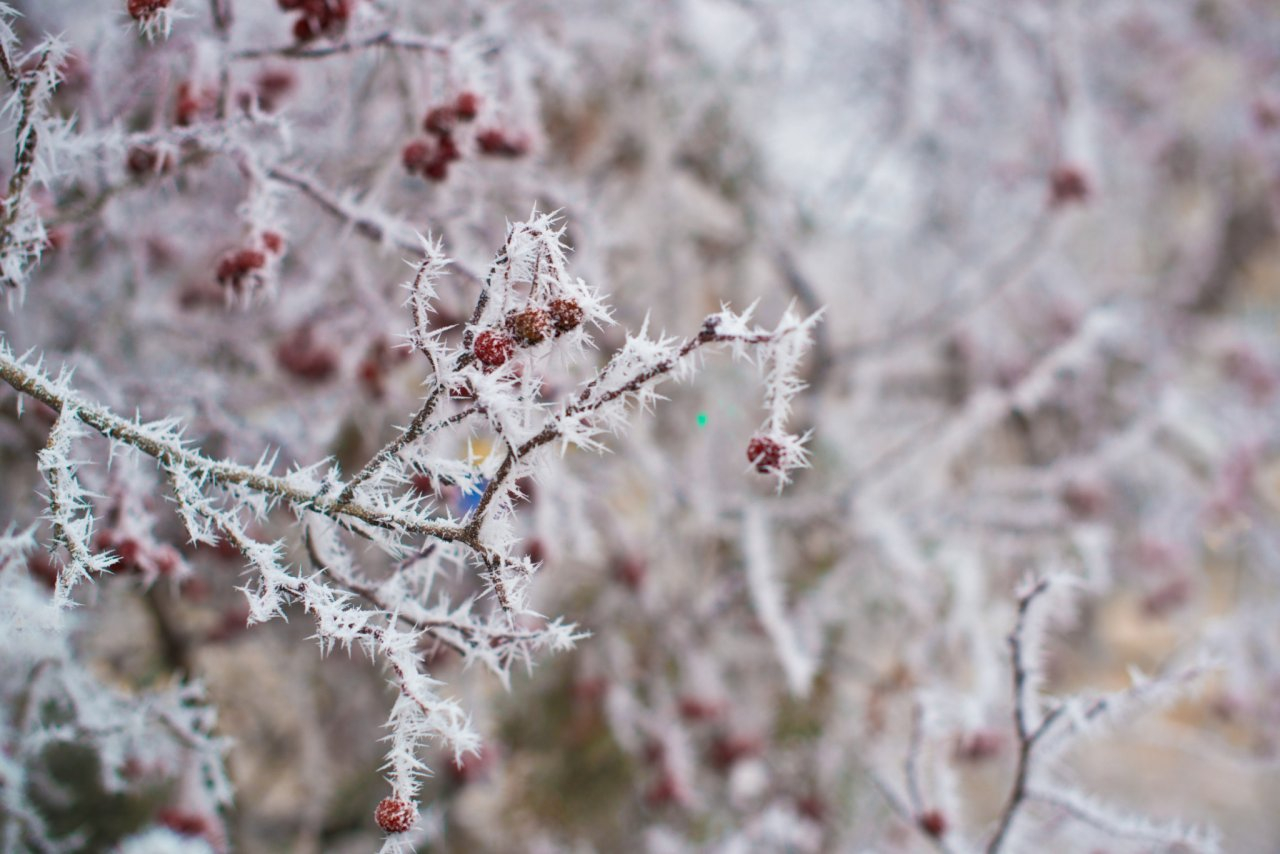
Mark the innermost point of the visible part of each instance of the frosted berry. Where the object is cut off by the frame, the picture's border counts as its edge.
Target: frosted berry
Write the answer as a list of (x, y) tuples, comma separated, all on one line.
[(765, 454), (394, 815), (529, 327), (273, 242), (566, 315), (239, 264), (467, 106), (493, 348), (141, 10)]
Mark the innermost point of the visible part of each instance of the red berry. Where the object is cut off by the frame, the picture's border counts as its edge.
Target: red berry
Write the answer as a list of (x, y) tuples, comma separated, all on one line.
[(416, 155), (289, 5), (273, 242), (1068, 185), (248, 260), (496, 143), (530, 326), (437, 169), (440, 120), (395, 816), (448, 150), (467, 106), (765, 454), (493, 348), (566, 315), (305, 29), (934, 823), (140, 10)]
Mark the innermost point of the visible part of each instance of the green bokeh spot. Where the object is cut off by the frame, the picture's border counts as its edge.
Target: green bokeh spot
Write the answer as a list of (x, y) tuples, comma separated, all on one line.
[(702, 419)]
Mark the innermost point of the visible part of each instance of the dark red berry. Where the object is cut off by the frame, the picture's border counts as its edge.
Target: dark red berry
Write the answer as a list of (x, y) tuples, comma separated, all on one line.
[(140, 10), (273, 242), (530, 326), (566, 315), (440, 120), (416, 155), (394, 815), (1068, 185), (448, 150), (765, 454), (305, 29), (436, 169), (934, 823), (496, 143), (467, 106), (493, 348)]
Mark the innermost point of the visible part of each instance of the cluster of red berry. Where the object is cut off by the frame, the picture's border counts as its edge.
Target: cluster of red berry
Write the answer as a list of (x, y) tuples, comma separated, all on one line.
[(238, 267), (319, 17), (526, 328), (143, 10), (431, 155)]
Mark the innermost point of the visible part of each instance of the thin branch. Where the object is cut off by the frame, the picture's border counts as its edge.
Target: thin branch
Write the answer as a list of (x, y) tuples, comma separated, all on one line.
[(398, 41), (32, 382)]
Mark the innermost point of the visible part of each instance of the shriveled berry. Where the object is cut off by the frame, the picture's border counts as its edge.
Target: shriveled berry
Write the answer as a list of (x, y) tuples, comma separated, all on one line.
[(566, 315), (530, 326), (394, 815), (765, 454), (493, 348)]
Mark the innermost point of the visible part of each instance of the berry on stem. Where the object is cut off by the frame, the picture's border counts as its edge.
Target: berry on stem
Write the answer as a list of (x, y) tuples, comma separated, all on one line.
[(141, 10), (566, 315), (493, 348), (765, 454), (530, 326), (395, 815)]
